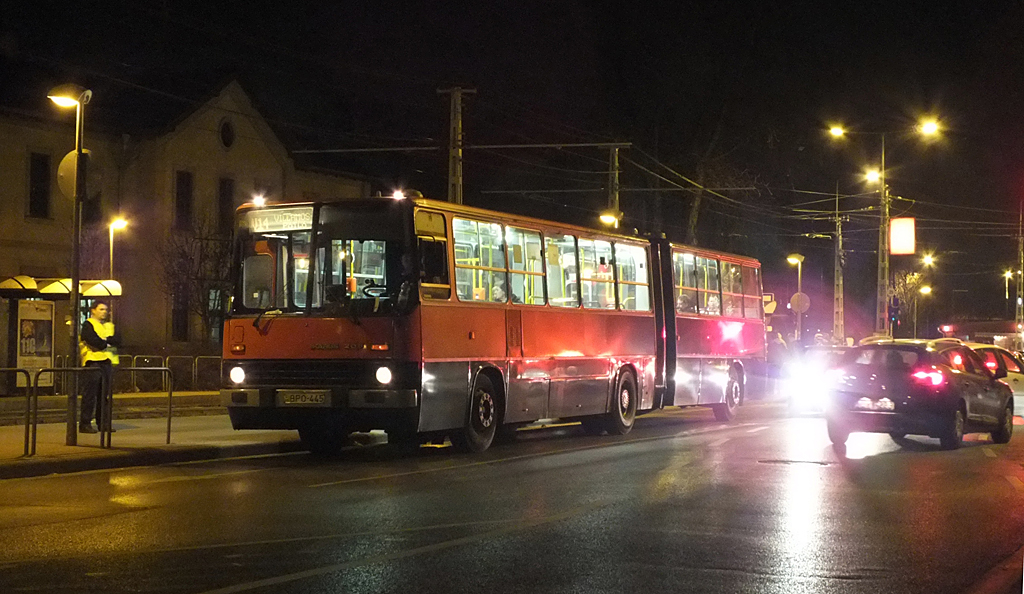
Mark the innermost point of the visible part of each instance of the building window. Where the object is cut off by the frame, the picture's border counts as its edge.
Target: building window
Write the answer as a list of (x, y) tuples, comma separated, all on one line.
[(39, 186), (183, 200), (179, 315), (225, 205), (227, 133)]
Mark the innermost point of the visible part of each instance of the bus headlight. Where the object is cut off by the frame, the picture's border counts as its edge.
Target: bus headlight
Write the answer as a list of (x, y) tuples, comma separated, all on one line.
[(237, 375), (384, 375)]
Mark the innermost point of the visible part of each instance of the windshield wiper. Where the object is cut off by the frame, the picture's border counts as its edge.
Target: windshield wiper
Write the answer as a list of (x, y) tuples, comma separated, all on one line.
[(272, 312)]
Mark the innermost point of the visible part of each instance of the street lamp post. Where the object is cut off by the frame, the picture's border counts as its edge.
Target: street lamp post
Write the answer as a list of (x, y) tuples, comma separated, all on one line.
[(925, 290), (117, 224), (77, 97), (799, 261), (882, 326)]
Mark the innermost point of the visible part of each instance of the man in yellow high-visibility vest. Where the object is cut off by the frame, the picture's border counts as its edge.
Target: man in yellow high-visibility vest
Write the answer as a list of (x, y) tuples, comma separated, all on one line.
[(98, 348)]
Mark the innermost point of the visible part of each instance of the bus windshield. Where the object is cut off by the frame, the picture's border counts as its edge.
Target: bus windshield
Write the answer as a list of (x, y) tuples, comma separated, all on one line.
[(351, 264)]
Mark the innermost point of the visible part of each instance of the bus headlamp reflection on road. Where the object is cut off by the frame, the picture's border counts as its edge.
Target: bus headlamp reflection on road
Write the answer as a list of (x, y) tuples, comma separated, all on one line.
[(237, 375)]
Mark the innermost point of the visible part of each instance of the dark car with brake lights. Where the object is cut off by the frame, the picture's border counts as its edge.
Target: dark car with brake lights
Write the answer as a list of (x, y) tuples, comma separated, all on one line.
[(939, 388)]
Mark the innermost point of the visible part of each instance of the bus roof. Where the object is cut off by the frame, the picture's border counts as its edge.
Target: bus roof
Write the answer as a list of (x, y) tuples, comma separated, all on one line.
[(515, 219)]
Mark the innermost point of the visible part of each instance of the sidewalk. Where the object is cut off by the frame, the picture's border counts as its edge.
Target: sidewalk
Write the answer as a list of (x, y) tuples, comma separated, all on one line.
[(136, 442)]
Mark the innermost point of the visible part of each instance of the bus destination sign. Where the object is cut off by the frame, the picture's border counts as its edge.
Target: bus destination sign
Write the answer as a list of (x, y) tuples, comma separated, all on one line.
[(280, 219)]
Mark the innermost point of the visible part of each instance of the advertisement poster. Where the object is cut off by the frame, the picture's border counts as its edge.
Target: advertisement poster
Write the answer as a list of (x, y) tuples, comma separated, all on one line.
[(35, 339)]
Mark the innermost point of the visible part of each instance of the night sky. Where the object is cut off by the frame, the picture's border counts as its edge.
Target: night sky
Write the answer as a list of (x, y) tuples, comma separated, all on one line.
[(732, 94)]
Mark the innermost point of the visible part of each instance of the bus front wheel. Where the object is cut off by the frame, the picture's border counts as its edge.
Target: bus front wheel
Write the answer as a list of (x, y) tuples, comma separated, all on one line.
[(323, 439), (484, 418)]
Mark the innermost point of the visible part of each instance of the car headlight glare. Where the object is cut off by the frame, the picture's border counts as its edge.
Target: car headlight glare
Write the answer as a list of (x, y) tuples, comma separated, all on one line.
[(384, 375), (237, 375)]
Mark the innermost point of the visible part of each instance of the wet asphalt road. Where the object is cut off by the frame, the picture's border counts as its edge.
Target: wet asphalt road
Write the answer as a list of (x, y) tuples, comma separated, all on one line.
[(681, 504)]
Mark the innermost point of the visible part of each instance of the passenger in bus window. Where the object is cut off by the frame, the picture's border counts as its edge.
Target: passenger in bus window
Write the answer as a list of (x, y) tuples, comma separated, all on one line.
[(684, 304), (498, 295)]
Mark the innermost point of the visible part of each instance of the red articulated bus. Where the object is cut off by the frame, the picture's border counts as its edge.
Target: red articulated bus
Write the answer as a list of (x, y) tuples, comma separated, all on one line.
[(428, 319)]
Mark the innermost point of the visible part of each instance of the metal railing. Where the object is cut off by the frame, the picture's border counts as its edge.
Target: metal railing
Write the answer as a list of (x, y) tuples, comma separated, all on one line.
[(30, 410), (168, 380), (202, 370), (72, 422)]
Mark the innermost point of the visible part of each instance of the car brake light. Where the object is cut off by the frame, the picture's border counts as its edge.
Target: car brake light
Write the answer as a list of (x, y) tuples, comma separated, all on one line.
[(991, 365), (930, 376)]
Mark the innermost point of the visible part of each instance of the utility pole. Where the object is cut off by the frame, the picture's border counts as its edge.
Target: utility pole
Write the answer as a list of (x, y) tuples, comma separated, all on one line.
[(838, 326), (613, 183), (882, 303), (1018, 338), (455, 142)]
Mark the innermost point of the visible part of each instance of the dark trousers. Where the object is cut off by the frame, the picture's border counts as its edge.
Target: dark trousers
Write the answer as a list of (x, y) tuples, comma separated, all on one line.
[(96, 387)]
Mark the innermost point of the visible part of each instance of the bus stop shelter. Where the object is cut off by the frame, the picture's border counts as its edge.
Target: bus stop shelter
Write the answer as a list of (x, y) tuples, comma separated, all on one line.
[(31, 320)]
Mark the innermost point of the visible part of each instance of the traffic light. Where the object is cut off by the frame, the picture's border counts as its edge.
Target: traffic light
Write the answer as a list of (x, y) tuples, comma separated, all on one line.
[(894, 310)]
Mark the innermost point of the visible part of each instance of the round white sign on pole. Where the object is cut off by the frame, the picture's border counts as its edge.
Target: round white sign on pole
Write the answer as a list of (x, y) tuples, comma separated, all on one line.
[(800, 302), (66, 174)]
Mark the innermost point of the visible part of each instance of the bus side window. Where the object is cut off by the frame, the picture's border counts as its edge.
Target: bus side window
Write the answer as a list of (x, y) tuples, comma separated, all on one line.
[(434, 283)]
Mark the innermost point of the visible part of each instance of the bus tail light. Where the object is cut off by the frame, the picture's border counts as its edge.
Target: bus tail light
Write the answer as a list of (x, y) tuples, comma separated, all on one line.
[(378, 347), (383, 375), (237, 375)]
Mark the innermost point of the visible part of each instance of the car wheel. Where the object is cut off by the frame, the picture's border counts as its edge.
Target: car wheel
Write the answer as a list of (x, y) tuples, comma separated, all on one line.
[(726, 411), (1004, 432), (953, 436), (484, 417), (837, 433), (620, 420)]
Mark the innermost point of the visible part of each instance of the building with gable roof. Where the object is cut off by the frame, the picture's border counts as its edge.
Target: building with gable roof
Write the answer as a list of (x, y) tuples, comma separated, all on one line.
[(186, 178)]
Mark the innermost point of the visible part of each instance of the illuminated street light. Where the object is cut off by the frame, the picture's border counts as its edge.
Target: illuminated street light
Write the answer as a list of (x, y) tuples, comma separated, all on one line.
[(1006, 278), (873, 175), (67, 96), (836, 131), (928, 260), (117, 224), (928, 127), (798, 261), (259, 200), (611, 217)]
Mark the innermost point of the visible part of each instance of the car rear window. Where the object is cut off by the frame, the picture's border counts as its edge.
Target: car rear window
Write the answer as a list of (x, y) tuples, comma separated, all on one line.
[(892, 357)]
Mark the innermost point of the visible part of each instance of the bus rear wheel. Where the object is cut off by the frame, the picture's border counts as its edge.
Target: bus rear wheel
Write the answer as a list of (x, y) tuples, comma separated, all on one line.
[(726, 411), (620, 420), (484, 418)]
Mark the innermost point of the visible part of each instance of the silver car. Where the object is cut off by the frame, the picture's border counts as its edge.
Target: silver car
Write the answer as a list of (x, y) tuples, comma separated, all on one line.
[(996, 358)]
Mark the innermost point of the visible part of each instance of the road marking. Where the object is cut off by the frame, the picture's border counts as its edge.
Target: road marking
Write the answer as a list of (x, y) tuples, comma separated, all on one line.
[(756, 429), (989, 452), (440, 546), (686, 433), (719, 442), (1016, 482)]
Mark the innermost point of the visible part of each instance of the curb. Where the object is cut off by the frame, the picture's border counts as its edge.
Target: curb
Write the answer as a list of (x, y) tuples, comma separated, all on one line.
[(151, 456), (1005, 578)]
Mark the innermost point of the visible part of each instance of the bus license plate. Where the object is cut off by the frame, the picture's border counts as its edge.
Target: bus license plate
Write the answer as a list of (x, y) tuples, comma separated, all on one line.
[(303, 397)]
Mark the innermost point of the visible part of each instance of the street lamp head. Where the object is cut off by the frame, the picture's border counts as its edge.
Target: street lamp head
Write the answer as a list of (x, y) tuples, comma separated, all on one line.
[(925, 290), (795, 259), (928, 127), (1008, 274), (69, 95), (928, 260), (872, 175), (259, 200), (611, 217), (836, 131), (118, 224)]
